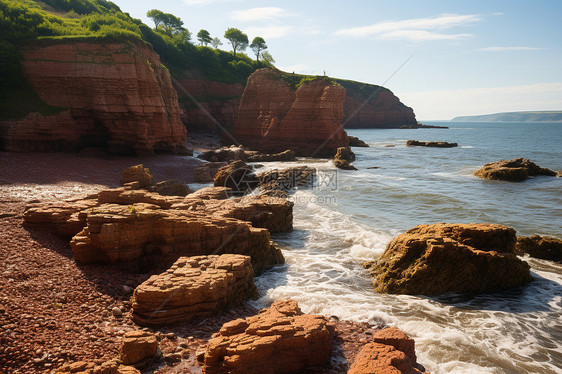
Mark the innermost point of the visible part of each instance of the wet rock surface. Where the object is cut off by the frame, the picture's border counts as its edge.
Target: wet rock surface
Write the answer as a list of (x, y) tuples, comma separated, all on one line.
[(417, 143), (543, 247), (516, 170)]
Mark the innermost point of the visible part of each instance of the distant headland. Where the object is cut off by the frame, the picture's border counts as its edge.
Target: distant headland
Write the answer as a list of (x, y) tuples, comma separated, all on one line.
[(540, 116)]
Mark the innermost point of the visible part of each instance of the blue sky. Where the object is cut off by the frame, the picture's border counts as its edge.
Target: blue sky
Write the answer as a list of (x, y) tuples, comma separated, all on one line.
[(465, 57)]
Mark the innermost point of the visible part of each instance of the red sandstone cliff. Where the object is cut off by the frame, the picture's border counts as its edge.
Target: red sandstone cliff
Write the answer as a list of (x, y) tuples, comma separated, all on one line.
[(383, 110), (273, 117), (115, 95)]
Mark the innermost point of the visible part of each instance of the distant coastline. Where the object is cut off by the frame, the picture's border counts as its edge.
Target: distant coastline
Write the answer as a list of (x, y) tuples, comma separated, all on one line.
[(539, 116)]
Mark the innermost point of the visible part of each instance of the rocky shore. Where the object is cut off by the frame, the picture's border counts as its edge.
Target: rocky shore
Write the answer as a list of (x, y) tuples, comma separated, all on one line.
[(52, 304)]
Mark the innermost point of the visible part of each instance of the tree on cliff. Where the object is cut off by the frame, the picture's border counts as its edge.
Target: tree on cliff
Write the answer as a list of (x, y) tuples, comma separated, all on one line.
[(166, 22), (237, 38), (204, 37), (258, 45), (216, 42), (267, 58)]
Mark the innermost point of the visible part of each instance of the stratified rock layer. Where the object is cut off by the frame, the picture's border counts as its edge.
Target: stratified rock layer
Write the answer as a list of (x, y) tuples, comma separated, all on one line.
[(279, 339), (114, 95), (543, 247), (273, 117), (194, 287), (391, 352), (125, 224), (516, 170), (441, 258), (138, 346)]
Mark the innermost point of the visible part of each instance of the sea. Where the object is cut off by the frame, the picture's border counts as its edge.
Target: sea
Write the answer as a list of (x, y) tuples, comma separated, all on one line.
[(349, 217)]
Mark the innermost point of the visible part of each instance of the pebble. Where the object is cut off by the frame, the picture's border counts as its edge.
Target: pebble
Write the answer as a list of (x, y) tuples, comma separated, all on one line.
[(117, 313)]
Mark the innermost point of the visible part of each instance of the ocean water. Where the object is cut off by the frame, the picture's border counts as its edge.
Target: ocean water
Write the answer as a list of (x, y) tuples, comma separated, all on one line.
[(351, 216)]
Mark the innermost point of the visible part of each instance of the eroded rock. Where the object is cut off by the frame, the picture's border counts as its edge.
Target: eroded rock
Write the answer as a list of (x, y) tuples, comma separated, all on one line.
[(279, 339), (417, 143), (205, 173), (194, 287), (356, 142), (543, 247), (516, 170), (237, 176), (343, 158), (138, 346), (441, 258)]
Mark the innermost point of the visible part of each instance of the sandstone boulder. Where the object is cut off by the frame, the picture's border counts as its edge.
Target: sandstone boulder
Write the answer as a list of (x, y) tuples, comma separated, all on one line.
[(287, 179), (442, 258), (194, 287), (417, 143), (225, 154), (391, 351), (343, 158), (138, 346), (516, 170), (205, 173), (356, 142), (137, 173), (543, 247), (237, 176), (273, 116), (279, 339), (170, 188), (254, 156)]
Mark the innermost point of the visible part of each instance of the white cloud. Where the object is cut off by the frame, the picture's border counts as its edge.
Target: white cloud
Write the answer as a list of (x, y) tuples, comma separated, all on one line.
[(447, 104), (414, 29), (268, 32), (256, 14), (502, 49), (420, 35)]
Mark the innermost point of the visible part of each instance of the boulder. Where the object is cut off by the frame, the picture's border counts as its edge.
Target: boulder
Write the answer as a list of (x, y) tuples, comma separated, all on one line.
[(237, 176), (543, 247), (356, 142), (254, 156), (170, 188), (417, 143), (225, 154), (343, 158), (274, 116), (205, 173), (138, 346), (391, 351), (194, 287), (280, 339), (442, 258), (516, 170), (287, 179), (137, 173)]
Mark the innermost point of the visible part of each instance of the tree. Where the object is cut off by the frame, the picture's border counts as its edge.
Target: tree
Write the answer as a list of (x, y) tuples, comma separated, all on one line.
[(216, 42), (258, 45), (166, 22), (237, 38), (267, 58), (183, 36), (204, 37)]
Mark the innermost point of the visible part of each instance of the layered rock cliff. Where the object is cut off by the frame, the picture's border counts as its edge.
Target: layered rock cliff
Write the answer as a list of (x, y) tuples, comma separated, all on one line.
[(273, 117), (113, 95), (370, 106)]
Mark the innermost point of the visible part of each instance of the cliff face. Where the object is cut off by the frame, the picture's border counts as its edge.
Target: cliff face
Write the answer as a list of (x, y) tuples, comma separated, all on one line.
[(272, 117), (218, 103), (384, 110), (116, 95)]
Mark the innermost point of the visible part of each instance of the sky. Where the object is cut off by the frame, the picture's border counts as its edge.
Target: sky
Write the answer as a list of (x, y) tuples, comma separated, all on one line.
[(443, 58)]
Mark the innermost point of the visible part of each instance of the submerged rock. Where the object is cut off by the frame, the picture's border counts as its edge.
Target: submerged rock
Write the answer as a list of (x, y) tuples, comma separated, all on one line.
[(194, 287), (280, 339), (414, 143), (543, 247), (516, 170), (441, 258)]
